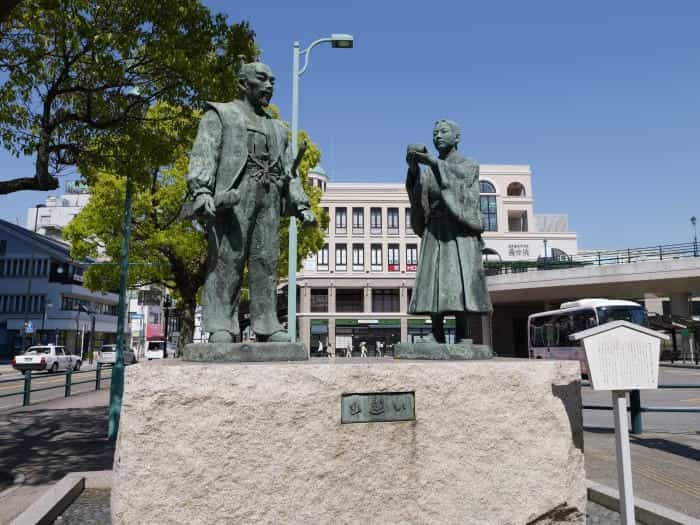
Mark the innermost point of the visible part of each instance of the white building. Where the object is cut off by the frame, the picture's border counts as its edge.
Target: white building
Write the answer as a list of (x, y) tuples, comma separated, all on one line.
[(359, 284), (50, 218)]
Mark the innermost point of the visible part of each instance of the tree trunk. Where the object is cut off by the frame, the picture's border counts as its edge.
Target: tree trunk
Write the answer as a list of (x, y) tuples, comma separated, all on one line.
[(189, 305)]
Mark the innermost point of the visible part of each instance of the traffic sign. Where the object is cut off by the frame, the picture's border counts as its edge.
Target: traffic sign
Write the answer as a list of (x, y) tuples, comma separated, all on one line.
[(28, 327)]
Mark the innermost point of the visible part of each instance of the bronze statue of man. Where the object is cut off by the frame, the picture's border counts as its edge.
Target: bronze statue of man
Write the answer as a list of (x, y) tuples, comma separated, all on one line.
[(445, 213), (242, 178)]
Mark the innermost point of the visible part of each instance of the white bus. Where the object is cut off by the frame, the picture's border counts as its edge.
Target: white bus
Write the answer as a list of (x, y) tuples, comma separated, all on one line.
[(548, 332)]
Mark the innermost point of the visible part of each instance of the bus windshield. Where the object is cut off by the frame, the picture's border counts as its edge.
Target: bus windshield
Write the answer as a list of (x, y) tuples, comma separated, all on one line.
[(633, 314)]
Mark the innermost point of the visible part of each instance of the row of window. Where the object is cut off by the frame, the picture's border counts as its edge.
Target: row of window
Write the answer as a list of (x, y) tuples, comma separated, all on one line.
[(24, 267), (352, 300), (16, 304), (75, 304), (487, 203), (393, 258), (375, 220)]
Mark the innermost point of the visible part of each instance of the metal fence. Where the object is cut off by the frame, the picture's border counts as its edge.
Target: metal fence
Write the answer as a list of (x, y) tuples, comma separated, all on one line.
[(636, 409), (67, 387), (598, 258)]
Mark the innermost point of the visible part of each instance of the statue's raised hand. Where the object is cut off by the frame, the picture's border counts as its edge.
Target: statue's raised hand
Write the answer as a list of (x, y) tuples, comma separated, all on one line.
[(308, 218), (204, 204)]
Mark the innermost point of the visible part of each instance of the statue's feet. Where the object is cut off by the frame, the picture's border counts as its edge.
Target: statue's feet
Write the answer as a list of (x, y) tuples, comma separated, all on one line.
[(280, 336), (221, 336)]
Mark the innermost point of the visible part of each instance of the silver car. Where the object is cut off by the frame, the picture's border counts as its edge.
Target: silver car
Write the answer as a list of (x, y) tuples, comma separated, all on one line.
[(108, 355)]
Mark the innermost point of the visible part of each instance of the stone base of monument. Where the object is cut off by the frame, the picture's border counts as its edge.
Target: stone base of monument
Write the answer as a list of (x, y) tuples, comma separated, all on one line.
[(244, 352), (458, 352), (488, 442)]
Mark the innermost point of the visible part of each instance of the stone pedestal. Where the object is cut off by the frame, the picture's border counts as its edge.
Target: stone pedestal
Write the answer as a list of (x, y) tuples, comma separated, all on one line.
[(244, 352), (440, 351), (492, 442)]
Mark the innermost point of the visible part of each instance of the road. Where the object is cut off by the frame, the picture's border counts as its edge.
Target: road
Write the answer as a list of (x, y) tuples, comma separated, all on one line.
[(11, 382), (665, 458)]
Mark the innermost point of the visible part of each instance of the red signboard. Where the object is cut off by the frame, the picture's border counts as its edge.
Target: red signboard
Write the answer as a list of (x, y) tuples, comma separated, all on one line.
[(410, 267), (394, 268), (154, 331)]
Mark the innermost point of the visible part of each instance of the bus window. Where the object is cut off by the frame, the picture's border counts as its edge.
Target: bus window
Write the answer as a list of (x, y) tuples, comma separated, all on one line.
[(633, 314)]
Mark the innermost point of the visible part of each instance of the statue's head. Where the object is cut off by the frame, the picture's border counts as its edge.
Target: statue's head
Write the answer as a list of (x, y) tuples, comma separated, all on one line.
[(256, 84), (446, 135)]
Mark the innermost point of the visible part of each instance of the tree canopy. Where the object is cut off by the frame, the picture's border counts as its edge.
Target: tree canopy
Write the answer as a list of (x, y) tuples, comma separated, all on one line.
[(69, 68)]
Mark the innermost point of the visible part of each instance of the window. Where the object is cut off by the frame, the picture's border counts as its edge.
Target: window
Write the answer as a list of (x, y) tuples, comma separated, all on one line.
[(393, 262), (375, 221), (376, 257), (408, 221), (358, 257), (322, 259), (411, 257), (488, 206), (385, 300), (358, 221), (516, 189), (341, 257), (517, 220), (325, 212), (3, 246), (319, 299), (341, 221), (392, 221), (349, 300)]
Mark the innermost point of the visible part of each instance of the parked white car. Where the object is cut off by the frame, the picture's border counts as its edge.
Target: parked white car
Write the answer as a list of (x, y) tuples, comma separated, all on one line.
[(46, 357), (107, 355), (156, 350)]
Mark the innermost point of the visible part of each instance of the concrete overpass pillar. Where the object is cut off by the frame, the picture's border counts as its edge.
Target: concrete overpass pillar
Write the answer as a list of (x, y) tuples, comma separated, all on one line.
[(680, 305), (653, 304)]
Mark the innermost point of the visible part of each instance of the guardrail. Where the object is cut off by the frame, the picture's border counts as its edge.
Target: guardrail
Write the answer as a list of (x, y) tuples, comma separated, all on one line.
[(27, 390), (599, 258), (636, 409)]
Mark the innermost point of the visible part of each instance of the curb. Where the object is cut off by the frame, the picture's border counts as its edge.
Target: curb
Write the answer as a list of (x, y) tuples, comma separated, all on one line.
[(59, 497), (688, 366), (48, 507), (646, 512)]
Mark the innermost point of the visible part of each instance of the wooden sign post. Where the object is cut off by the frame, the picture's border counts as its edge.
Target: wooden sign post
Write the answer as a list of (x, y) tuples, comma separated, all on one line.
[(621, 357)]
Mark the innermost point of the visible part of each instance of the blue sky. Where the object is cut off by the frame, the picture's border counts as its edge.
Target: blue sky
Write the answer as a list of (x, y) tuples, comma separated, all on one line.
[(602, 99)]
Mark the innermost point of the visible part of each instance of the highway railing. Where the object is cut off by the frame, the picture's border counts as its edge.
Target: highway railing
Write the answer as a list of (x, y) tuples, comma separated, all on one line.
[(636, 409), (597, 258), (67, 386)]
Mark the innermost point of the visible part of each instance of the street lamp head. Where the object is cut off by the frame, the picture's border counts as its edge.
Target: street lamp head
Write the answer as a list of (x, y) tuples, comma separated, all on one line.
[(342, 41)]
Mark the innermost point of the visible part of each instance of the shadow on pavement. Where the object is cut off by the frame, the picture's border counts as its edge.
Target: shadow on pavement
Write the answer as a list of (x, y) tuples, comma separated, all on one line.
[(42, 446), (599, 430), (665, 445)]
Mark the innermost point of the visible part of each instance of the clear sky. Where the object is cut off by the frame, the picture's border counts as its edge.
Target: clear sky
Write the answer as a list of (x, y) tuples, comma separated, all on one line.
[(601, 99)]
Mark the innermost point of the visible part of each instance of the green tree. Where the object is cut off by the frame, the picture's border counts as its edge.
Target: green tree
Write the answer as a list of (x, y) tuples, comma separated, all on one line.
[(70, 63), (165, 250)]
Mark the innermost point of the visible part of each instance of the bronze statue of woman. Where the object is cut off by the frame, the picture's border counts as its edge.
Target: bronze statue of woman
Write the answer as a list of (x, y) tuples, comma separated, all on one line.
[(444, 197)]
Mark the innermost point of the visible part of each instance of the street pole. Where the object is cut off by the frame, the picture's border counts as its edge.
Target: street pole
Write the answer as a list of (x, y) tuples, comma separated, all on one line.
[(116, 390), (338, 41), (292, 257), (30, 273), (693, 221)]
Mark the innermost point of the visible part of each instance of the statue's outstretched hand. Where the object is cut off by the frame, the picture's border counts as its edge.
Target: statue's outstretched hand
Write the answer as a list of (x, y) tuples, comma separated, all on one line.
[(308, 218), (204, 204)]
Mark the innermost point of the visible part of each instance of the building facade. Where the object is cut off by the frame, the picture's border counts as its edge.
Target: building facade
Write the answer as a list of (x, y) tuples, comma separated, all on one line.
[(358, 287), (42, 297), (51, 217)]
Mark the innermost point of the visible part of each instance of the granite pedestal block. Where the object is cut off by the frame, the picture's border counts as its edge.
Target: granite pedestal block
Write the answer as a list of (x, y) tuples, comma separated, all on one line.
[(487, 442)]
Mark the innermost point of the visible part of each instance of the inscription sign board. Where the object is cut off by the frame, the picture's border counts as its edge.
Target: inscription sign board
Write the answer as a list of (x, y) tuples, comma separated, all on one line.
[(622, 356), (377, 407)]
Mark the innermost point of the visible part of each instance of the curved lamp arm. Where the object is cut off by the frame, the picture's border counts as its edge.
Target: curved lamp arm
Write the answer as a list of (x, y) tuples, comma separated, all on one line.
[(307, 52)]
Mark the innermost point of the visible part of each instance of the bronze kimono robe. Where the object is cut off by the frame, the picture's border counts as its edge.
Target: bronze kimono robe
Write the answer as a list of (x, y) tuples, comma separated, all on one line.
[(445, 213)]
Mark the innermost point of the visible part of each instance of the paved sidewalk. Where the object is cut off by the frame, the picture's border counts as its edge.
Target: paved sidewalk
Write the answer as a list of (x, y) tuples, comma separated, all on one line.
[(42, 443)]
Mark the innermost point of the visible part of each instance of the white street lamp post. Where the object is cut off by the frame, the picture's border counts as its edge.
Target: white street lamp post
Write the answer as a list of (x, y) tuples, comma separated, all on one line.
[(341, 41)]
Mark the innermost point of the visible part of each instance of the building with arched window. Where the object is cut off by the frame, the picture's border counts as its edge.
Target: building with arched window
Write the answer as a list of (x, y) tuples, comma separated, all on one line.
[(358, 286)]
